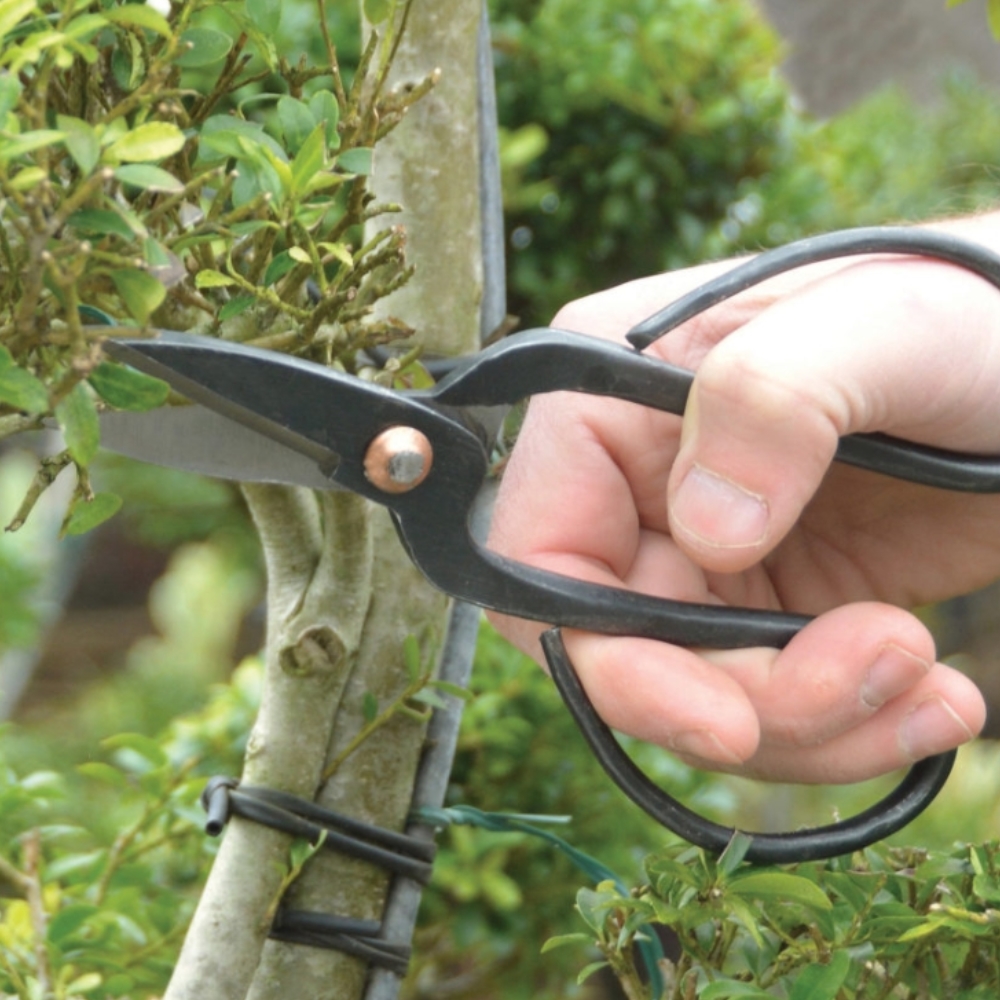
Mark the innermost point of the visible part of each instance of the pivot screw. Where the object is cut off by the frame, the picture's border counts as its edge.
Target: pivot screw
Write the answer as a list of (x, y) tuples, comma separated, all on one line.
[(398, 460)]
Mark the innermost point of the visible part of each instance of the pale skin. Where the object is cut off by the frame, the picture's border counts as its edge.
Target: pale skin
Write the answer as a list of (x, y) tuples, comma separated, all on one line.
[(738, 504)]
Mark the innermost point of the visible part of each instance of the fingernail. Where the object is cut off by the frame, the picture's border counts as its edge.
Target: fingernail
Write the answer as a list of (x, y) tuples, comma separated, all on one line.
[(719, 512), (894, 671), (932, 727), (704, 745)]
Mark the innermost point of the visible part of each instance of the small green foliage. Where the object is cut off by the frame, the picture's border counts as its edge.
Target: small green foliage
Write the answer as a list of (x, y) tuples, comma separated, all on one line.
[(882, 922), (177, 170), (97, 907), (86, 513), (128, 389), (77, 416)]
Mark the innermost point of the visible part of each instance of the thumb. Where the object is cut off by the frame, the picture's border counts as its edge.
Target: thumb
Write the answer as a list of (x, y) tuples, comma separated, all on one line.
[(870, 348)]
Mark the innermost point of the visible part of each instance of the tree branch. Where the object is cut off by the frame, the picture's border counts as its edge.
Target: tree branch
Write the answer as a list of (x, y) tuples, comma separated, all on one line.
[(317, 604), (442, 301)]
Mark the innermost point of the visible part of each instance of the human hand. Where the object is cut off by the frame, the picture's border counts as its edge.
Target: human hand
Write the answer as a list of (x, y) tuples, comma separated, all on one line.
[(738, 505)]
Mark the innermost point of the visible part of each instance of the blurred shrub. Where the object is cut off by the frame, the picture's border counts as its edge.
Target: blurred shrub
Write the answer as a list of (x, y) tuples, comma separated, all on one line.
[(644, 135), (101, 864), (642, 130)]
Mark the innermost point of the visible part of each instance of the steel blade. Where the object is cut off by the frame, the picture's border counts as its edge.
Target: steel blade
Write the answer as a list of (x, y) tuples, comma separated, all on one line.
[(195, 439)]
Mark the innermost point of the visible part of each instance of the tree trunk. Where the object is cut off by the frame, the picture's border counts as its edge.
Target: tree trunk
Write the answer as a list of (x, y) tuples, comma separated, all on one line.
[(342, 594)]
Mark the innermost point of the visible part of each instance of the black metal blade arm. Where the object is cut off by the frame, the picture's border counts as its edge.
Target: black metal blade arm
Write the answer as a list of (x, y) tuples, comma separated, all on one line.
[(545, 360), (914, 793)]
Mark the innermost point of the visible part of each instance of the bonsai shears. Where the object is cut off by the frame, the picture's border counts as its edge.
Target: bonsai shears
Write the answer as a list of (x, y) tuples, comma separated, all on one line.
[(425, 454)]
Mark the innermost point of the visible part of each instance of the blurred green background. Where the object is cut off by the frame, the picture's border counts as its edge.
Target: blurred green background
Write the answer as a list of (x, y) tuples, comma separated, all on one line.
[(637, 135)]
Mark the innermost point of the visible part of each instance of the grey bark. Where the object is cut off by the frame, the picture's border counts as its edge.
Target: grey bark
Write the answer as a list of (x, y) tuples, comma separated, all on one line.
[(430, 165), (342, 594), (315, 545)]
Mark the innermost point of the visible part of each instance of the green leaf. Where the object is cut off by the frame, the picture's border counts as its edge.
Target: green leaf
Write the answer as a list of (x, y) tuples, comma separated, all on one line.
[(339, 251), (139, 15), (588, 970), (205, 47), (21, 390), (412, 659), (308, 160), (127, 63), (822, 982), (78, 866), (736, 850), (10, 92), (152, 141), (324, 179), (28, 142), (280, 265), (993, 16), (144, 746), (235, 306), (100, 222), (141, 292), (302, 850), (220, 134), (299, 255), (119, 985), (148, 177), (297, 122), (262, 171), (209, 278), (77, 418), (82, 984), (428, 697), (265, 15), (100, 771), (369, 707), (464, 694), (12, 12), (128, 389), (81, 141), (922, 930), (560, 940), (748, 916), (85, 515), (71, 919), (326, 111), (157, 255), (781, 887), (377, 10), (28, 178), (594, 906), (356, 161)]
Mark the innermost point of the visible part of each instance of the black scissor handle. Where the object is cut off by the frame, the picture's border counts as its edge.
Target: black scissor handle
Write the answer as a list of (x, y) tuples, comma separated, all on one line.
[(916, 791)]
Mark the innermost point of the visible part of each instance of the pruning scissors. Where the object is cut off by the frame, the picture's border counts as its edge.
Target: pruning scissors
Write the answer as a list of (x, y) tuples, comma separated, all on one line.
[(425, 454)]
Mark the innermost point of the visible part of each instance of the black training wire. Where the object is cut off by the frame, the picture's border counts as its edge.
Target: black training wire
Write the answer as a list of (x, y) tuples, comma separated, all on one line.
[(921, 784), (359, 938), (397, 852), (400, 854)]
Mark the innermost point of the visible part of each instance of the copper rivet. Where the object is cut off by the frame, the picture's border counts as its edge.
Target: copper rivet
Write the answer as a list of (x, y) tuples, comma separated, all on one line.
[(399, 459)]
